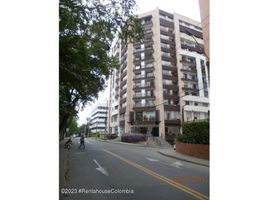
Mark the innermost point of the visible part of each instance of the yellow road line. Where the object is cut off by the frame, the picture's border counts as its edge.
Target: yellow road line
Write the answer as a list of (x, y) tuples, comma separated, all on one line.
[(188, 190)]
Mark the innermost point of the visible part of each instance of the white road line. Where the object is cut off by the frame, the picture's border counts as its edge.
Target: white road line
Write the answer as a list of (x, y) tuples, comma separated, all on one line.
[(151, 159), (100, 168), (83, 152), (177, 164)]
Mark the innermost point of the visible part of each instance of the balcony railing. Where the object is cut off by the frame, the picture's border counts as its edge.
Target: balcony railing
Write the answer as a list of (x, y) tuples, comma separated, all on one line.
[(139, 85), (189, 88), (190, 79), (143, 95), (143, 76), (144, 104)]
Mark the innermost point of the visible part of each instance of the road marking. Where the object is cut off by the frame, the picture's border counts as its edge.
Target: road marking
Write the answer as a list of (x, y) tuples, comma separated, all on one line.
[(179, 186), (177, 164), (80, 152), (100, 168), (152, 160)]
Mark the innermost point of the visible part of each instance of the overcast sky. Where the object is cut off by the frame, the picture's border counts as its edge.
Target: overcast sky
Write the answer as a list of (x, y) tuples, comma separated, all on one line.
[(188, 8)]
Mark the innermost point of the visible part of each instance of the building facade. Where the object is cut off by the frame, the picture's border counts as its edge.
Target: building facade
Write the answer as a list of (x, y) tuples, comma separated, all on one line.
[(98, 118), (147, 89)]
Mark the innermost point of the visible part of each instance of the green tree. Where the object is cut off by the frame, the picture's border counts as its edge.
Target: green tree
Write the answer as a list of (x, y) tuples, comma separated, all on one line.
[(73, 128), (82, 129), (86, 31)]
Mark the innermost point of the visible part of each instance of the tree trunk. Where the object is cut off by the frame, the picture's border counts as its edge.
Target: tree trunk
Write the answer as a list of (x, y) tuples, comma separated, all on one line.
[(65, 122)]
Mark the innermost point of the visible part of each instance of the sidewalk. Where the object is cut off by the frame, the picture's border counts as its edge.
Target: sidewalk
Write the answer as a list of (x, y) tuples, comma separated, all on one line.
[(117, 142), (183, 157), (132, 144)]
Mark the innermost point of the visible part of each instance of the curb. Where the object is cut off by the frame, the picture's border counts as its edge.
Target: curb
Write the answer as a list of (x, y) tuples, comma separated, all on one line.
[(186, 160), (140, 145)]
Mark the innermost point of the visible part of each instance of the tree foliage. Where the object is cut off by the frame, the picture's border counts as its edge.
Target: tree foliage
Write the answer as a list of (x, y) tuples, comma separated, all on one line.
[(86, 31), (73, 128)]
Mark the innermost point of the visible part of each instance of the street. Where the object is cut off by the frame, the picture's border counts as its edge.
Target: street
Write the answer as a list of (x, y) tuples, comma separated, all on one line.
[(106, 170)]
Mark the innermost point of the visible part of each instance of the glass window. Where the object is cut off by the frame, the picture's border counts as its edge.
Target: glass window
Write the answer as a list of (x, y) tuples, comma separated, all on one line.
[(167, 82)]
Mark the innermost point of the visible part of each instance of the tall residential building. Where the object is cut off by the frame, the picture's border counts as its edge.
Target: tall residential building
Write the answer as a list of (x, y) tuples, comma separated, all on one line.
[(98, 118), (160, 79)]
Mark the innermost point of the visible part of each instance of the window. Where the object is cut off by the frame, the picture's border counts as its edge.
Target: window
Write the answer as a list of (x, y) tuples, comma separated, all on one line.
[(166, 72), (165, 54), (167, 46), (163, 28), (172, 115), (142, 55), (167, 82), (149, 65), (165, 37), (122, 117), (166, 63)]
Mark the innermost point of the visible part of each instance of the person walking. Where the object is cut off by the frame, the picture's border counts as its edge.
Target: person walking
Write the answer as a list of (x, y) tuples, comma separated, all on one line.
[(82, 142)]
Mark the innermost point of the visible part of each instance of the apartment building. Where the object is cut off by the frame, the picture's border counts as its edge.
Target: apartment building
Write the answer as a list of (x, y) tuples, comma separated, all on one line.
[(159, 78), (98, 118)]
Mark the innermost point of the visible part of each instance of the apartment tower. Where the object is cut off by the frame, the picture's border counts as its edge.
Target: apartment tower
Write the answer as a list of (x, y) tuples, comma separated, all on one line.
[(160, 80)]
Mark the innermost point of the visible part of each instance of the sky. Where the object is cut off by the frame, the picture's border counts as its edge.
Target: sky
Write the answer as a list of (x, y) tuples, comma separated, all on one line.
[(188, 8)]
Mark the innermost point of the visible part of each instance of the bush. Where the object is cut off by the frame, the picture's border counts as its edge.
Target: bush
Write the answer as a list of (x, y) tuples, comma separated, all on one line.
[(195, 132), (132, 138), (111, 136)]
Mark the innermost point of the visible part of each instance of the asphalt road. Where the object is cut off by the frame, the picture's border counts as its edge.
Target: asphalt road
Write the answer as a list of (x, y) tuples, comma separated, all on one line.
[(117, 171)]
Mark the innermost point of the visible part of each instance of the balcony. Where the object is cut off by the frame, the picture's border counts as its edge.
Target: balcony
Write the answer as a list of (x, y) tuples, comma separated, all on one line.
[(122, 110), (145, 106), (189, 88), (173, 122), (147, 58), (189, 79), (123, 83), (123, 91), (171, 97), (170, 77), (123, 100), (171, 86), (144, 76), (145, 85), (147, 68), (148, 35), (193, 48), (149, 50), (170, 68), (143, 120), (191, 69), (188, 61), (166, 22), (123, 75), (143, 96), (171, 107), (123, 67), (193, 32)]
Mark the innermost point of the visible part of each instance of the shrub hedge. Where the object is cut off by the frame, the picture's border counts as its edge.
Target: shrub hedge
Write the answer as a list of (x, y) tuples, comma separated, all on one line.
[(132, 138), (111, 136), (195, 132)]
